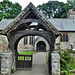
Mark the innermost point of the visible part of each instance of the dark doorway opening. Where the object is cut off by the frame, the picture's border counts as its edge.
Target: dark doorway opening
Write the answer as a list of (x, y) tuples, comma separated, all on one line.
[(41, 46)]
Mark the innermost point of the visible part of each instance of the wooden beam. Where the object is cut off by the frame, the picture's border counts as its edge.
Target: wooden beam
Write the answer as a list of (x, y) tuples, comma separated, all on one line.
[(24, 21), (37, 27), (27, 26)]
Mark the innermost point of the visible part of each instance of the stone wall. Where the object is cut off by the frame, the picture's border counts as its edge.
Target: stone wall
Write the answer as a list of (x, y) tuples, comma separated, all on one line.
[(3, 42), (6, 63), (21, 46), (71, 41), (65, 45), (55, 63)]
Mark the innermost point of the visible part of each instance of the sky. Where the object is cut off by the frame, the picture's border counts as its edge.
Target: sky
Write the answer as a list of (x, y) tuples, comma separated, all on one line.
[(24, 3)]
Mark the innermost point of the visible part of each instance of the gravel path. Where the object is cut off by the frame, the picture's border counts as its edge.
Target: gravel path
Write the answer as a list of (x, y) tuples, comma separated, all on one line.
[(39, 66)]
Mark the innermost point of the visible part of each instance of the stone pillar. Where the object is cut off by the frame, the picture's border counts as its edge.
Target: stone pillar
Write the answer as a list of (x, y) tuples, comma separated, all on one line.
[(14, 63), (6, 63), (55, 63)]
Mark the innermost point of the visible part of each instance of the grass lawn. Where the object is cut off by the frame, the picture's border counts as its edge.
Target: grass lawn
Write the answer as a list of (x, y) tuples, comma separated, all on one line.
[(1, 52), (71, 73), (47, 53), (25, 53)]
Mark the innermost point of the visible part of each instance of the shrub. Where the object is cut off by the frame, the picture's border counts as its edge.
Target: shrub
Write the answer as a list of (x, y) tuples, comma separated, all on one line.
[(66, 62), (58, 43), (74, 51), (69, 50), (65, 59), (64, 73), (58, 48), (12, 70)]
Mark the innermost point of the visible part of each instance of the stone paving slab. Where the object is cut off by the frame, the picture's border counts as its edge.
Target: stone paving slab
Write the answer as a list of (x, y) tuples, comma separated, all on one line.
[(39, 66)]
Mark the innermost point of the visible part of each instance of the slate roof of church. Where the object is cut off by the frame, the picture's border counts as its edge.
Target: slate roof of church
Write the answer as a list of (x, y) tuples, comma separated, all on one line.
[(53, 24), (58, 23), (63, 24), (4, 23)]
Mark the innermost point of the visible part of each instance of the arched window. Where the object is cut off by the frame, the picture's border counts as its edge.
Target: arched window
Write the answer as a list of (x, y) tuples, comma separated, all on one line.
[(25, 40), (31, 41), (64, 38)]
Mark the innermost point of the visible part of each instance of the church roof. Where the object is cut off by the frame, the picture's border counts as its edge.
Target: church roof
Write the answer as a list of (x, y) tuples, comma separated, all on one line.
[(53, 24), (4, 23), (63, 24), (60, 24)]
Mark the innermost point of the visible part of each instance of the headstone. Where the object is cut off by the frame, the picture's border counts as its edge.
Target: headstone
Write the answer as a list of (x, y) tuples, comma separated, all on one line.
[(6, 63), (55, 63)]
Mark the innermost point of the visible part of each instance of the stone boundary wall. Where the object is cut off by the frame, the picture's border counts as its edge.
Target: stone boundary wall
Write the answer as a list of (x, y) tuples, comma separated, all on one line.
[(6, 63), (55, 63)]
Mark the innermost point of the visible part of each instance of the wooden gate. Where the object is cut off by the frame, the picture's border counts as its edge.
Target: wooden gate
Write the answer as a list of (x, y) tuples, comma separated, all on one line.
[(23, 61)]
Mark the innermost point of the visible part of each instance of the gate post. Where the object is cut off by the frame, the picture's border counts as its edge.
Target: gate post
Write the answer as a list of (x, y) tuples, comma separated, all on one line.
[(6, 63), (55, 63)]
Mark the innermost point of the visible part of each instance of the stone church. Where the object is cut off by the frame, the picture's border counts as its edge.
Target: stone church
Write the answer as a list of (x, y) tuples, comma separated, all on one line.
[(66, 28)]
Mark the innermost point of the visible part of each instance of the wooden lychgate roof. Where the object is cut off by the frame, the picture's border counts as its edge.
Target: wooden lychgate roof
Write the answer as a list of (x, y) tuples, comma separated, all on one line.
[(8, 24)]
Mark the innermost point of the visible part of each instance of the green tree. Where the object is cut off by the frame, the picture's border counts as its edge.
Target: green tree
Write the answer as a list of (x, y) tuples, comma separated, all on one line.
[(9, 10), (72, 5), (56, 9), (52, 9)]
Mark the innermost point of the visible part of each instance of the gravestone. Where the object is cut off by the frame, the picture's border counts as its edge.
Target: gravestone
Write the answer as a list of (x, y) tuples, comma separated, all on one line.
[(6, 63), (55, 63)]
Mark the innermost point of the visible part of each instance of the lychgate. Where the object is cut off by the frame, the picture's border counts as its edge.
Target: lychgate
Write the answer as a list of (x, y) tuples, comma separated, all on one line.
[(21, 26)]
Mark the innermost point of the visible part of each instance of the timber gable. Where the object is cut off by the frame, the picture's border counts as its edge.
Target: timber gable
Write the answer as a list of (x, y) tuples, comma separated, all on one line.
[(29, 14)]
